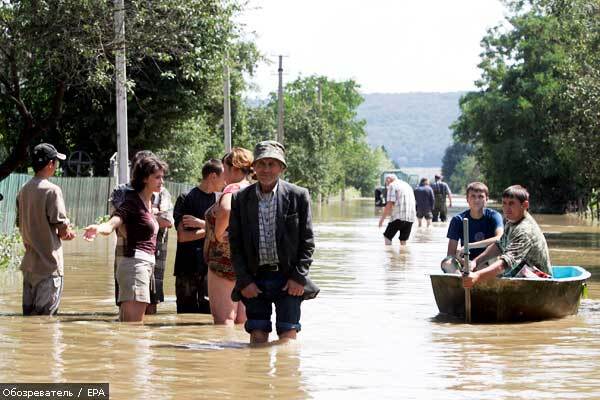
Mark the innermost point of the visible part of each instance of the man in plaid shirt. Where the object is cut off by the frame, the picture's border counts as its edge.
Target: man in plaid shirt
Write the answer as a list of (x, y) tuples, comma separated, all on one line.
[(271, 240)]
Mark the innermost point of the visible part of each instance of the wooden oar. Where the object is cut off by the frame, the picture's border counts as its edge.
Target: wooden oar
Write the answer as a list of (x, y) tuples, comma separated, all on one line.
[(466, 269)]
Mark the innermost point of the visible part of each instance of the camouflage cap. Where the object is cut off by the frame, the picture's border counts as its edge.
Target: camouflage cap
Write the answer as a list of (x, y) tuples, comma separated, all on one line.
[(270, 149)]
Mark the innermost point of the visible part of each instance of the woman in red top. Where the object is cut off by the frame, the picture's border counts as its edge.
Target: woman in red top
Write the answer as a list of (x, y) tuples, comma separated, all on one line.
[(134, 272), (221, 276)]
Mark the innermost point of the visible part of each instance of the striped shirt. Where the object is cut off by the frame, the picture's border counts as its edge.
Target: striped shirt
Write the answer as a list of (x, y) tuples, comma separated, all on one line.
[(402, 195), (267, 216)]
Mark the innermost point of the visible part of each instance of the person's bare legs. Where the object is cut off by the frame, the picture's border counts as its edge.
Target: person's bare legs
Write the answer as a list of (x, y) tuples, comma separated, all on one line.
[(420, 221), (132, 311), (223, 309), (240, 316), (428, 223)]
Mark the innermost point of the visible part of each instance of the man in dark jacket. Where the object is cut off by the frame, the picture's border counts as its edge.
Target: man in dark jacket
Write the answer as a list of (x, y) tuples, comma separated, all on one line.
[(271, 240)]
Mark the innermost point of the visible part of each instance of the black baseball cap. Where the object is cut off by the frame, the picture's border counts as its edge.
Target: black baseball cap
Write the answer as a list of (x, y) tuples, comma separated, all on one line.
[(44, 153)]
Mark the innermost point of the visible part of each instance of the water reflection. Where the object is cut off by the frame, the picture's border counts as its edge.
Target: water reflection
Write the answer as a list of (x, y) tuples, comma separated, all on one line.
[(373, 332)]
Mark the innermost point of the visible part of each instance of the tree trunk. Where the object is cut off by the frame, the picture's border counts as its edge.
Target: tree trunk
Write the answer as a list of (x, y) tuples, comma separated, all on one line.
[(31, 131)]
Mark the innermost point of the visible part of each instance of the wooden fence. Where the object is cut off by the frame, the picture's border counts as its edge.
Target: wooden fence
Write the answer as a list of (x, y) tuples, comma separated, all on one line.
[(86, 199)]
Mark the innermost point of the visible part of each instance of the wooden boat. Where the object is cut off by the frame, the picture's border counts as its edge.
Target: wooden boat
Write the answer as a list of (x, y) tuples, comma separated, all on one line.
[(513, 299)]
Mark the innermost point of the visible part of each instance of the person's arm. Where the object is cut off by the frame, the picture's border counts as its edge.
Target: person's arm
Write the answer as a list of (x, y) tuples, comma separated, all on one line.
[(17, 216), (66, 232), (306, 244), (186, 235), (452, 245), (165, 210), (490, 252), (486, 242), (485, 274), (387, 210), (57, 215), (105, 228), (431, 199), (244, 281), (222, 217)]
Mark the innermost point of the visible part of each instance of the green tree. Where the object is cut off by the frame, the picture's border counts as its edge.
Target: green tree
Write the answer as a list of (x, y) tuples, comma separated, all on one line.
[(520, 114), (326, 143), (453, 156), (466, 171), (56, 69)]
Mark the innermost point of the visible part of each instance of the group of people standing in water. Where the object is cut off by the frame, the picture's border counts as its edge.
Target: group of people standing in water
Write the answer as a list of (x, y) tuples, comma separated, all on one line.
[(244, 241)]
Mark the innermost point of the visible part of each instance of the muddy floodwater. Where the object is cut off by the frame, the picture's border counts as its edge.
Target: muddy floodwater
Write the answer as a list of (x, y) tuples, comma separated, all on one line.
[(373, 332)]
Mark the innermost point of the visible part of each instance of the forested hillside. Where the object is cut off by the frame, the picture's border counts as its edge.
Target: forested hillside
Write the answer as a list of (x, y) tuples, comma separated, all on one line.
[(413, 127)]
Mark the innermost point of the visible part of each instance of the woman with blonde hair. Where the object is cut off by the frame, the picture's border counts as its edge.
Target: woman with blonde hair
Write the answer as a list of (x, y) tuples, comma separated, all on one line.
[(221, 276)]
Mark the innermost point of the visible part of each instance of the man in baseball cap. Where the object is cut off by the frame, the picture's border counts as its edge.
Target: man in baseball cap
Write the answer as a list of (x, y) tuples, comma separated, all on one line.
[(43, 223), (43, 153)]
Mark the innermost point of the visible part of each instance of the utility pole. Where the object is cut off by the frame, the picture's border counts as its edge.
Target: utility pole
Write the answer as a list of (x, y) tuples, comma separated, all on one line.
[(226, 109), (319, 94), (121, 76), (280, 102), (320, 103)]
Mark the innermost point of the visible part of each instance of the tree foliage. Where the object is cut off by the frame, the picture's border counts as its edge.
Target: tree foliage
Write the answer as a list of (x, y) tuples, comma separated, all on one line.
[(453, 156), (539, 80), (325, 141), (56, 73)]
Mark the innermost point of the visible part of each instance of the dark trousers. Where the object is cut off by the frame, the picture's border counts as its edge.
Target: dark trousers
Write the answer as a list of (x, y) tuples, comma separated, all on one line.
[(259, 309), (192, 293)]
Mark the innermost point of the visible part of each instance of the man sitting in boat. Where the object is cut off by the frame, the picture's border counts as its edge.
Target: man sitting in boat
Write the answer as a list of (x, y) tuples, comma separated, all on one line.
[(521, 246), (485, 227)]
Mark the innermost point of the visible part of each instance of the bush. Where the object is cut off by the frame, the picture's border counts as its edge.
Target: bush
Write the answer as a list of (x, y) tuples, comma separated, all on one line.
[(11, 250)]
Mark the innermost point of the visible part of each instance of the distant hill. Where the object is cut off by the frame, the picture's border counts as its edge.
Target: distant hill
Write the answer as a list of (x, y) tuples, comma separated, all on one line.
[(413, 127)]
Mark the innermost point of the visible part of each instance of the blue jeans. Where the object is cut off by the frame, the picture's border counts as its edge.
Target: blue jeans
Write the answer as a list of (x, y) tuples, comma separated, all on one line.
[(259, 309)]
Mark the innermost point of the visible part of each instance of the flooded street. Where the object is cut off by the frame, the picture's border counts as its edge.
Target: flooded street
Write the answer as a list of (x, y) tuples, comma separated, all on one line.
[(373, 332)]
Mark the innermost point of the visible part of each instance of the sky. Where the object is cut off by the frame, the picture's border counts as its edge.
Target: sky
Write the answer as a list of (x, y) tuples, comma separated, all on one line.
[(387, 46)]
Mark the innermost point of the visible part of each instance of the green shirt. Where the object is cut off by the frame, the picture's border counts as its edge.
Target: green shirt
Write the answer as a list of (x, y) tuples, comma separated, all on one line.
[(524, 241)]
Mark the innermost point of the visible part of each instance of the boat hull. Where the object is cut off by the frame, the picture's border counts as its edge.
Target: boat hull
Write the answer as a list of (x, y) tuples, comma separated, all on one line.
[(513, 299)]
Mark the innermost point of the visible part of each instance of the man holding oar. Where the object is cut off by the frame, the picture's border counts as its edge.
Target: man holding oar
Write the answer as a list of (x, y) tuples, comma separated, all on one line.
[(521, 246)]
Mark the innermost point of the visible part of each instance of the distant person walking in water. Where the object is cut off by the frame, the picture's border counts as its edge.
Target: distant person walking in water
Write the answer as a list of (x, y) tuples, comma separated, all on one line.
[(135, 270), (401, 205), (43, 223), (425, 201), (440, 191), (271, 238)]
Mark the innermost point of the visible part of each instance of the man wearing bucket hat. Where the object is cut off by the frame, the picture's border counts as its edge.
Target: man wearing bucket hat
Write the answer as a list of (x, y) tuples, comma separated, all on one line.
[(271, 239), (43, 223)]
